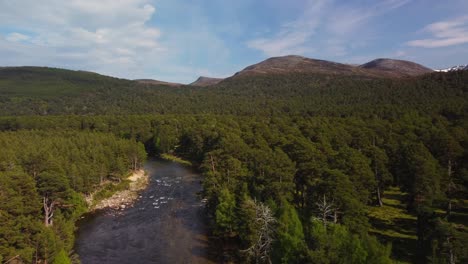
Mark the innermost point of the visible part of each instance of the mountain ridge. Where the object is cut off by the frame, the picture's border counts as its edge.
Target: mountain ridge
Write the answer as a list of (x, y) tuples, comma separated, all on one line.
[(396, 67), (206, 81), (378, 68), (157, 82), (454, 68)]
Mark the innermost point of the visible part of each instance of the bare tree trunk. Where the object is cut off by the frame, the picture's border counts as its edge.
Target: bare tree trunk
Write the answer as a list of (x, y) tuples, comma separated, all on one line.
[(324, 211), (379, 197), (49, 207), (452, 259), (260, 250), (135, 163), (377, 177), (13, 258), (327, 210), (212, 165), (449, 191)]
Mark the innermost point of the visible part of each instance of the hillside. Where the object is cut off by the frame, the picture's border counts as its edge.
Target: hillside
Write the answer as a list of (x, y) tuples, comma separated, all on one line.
[(44, 91), (380, 68), (206, 81), (156, 82), (299, 64), (397, 68), (44, 81)]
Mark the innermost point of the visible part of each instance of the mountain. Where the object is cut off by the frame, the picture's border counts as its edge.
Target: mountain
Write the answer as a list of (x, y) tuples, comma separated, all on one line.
[(49, 91), (298, 64), (455, 68), (45, 81), (397, 68), (380, 68), (206, 81), (156, 82)]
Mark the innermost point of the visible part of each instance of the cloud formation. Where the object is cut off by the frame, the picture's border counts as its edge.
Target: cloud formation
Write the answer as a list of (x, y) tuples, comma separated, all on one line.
[(444, 34), (293, 36), (16, 37), (178, 40), (107, 36), (337, 22)]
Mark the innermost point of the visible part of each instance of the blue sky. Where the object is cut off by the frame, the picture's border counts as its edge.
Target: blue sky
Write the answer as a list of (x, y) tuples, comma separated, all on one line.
[(179, 40)]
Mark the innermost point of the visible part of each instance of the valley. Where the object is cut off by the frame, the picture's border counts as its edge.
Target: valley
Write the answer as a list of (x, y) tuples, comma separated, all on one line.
[(292, 160)]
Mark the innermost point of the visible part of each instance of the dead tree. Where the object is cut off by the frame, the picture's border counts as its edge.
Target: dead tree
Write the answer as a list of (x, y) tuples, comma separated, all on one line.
[(213, 169), (49, 208), (260, 250), (327, 210), (14, 260), (50, 205)]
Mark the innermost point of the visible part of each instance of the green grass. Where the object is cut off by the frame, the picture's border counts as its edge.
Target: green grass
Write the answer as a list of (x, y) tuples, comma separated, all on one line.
[(392, 223), (173, 158), (109, 190)]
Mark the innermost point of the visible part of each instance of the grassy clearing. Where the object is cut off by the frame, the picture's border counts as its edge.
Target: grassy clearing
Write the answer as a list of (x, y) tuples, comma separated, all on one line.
[(392, 223), (173, 158), (110, 189)]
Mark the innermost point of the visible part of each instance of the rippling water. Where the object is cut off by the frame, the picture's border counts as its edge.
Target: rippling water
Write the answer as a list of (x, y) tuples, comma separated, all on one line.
[(166, 225)]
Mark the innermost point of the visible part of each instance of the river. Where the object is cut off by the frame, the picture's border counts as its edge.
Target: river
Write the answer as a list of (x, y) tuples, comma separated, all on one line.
[(166, 224)]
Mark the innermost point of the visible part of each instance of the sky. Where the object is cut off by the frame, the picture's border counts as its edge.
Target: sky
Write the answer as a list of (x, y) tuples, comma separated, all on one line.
[(179, 40)]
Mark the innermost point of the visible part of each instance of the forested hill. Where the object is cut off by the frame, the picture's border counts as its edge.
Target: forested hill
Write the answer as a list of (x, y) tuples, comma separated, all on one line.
[(47, 91), (48, 82)]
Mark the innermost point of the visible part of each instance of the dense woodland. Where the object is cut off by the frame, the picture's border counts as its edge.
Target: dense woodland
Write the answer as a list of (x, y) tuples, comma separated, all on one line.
[(297, 169), (43, 175), (43, 91)]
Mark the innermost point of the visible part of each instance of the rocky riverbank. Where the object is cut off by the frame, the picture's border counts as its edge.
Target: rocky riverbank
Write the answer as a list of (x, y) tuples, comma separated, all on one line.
[(122, 199), (166, 225)]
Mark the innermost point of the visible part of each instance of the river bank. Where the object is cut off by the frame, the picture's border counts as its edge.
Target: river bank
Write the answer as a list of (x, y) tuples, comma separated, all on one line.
[(174, 158), (138, 181), (166, 224)]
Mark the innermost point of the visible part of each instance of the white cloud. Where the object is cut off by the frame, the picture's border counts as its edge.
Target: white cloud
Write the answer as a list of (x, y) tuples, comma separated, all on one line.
[(292, 37), (112, 37), (346, 20), (444, 33), (16, 37), (335, 22)]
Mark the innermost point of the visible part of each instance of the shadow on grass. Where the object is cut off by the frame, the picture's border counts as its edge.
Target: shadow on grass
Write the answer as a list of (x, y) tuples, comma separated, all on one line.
[(402, 248), (398, 226)]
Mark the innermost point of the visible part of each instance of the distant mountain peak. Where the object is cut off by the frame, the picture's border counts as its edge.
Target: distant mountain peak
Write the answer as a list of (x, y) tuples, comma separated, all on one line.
[(206, 81), (397, 67), (295, 63), (156, 82), (382, 67), (455, 68)]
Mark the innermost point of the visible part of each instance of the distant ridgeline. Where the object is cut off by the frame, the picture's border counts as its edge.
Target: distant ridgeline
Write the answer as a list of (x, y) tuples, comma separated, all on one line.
[(304, 161), (46, 91)]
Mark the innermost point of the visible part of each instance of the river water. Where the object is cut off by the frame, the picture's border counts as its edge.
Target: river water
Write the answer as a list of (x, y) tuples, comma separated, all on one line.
[(166, 224)]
